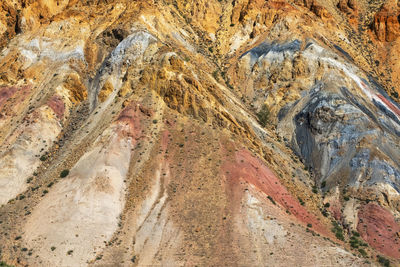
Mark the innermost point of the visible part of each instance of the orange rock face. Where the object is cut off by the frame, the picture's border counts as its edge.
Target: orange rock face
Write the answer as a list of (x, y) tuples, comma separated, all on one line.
[(316, 8), (347, 5), (387, 24)]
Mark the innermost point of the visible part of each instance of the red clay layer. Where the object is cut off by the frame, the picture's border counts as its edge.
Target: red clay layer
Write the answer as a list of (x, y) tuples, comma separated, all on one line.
[(378, 227), (389, 104), (252, 170), (57, 105)]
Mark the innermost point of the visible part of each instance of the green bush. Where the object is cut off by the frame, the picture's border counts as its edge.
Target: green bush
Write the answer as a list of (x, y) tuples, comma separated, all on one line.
[(43, 158), (382, 260), (314, 190), (3, 264), (354, 243), (339, 235), (215, 75), (64, 173), (362, 252), (263, 115), (271, 199), (355, 233), (133, 259)]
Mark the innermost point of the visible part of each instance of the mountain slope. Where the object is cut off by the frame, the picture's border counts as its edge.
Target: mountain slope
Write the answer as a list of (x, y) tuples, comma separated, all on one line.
[(199, 133)]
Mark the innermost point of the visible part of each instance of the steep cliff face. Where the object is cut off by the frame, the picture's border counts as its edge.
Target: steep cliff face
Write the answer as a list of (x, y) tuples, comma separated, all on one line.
[(251, 133)]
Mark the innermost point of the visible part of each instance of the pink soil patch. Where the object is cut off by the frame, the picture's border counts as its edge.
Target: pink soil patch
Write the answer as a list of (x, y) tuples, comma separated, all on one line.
[(252, 170), (378, 227), (165, 140), (131, 116), (336, 210), (57, 105), (389, 104), (7, 92)]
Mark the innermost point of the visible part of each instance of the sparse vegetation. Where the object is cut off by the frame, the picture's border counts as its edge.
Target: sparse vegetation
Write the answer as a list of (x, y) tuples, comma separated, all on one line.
[(70, 252), (43, 158), (346, 198), (327, 205), (337, 230), (64, 173), (309, 225), (354, 242), (323, 184), (34, 188), (355, 233), (263, 115), (301, 202), (362, 252), (133, 259), (314, 189), (383, 261), (3, 264)]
